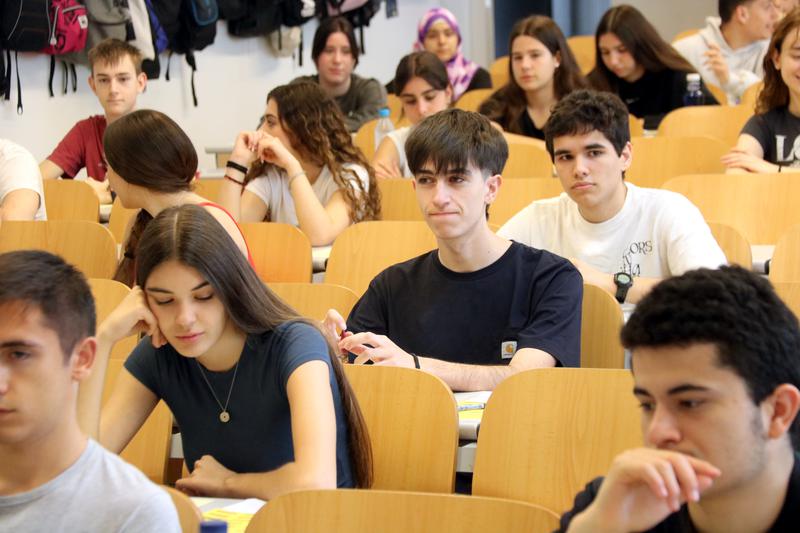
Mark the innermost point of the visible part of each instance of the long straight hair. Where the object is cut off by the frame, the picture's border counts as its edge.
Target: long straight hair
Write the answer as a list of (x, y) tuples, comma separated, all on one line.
[(775, 92), (508, 103), (148, 149), (190, 235), (315, 127), (643, 42)]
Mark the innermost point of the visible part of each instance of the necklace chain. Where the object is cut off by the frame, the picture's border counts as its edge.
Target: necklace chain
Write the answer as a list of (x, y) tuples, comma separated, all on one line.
[(224, 416)]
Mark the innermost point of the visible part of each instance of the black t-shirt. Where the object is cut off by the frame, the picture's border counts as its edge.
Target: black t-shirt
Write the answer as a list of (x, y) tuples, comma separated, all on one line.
[(258, 436), (655, 94), (528, 127), (529, 297), (788, 520), (778, 133)]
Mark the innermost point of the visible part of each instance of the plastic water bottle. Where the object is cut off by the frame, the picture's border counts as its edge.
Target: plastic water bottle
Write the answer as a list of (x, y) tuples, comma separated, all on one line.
[(213, 526), (694, 95), (383, 127)]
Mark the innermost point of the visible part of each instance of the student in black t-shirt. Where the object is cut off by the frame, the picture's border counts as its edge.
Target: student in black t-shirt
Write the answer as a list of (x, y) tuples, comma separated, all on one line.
[(259, 395), (770, 141), (480, 307), (542, 70), (644, 70), (716, 369)]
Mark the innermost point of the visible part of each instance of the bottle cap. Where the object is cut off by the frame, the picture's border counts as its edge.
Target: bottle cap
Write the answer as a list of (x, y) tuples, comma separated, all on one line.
[(384, 112), (693, 76)]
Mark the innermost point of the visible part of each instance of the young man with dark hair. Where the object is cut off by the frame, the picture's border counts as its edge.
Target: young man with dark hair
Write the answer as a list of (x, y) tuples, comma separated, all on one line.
[(716, 369), (622, 238), (52, 477), (479, 308), (729, 51), (117, 80)]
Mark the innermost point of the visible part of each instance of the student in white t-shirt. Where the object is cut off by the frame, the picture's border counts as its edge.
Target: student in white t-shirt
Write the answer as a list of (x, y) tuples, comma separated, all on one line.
[(621, 237), (21, 191), (300, 167)]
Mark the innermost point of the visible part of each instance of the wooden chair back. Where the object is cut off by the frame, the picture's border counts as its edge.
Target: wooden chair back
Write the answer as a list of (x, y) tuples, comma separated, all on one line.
[(750, 96), (208, 188), (657, 159), (87, 245), (398, 200), (499, 72), (717, 121), (312, 300), (527, 160), (601, 322), (365, 511), (789, 292), (70, 200), (516, 194), (413, 427), (363, 250), (281, 252), (785, 263), (583, 48), (149, 449), (546, 433), (684, 34), (189, 515), (718, 93), (472, 100), (735, 247), (120, 218), (636, 126), (364, 138), (760, 206)]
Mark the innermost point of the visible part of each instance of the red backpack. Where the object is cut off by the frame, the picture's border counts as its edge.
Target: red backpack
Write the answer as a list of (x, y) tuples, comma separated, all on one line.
[(69, 28)]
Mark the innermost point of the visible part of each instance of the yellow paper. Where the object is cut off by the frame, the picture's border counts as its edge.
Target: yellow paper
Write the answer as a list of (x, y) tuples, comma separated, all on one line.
[(237, 522)]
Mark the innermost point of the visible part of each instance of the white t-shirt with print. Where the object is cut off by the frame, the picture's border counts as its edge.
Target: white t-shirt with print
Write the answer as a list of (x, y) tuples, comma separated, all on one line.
[(19, 170), (656, 234), (273, 189)]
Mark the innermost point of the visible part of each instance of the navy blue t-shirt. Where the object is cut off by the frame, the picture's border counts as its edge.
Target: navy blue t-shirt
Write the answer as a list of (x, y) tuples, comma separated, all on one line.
[(528, 298), (258, 437)]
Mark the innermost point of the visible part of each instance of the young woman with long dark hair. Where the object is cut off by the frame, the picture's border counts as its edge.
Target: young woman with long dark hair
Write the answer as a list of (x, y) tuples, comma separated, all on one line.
[(258, 393), (543, 70), (635, 63)]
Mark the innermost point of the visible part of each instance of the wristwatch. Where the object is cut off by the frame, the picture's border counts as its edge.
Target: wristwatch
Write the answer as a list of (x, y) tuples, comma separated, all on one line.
[(623, 281)]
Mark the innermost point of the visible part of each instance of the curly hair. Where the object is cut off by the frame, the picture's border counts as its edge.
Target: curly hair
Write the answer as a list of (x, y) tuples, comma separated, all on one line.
[(315, 127), (775, 92), (508, 103), (737, 311), (585, 111)]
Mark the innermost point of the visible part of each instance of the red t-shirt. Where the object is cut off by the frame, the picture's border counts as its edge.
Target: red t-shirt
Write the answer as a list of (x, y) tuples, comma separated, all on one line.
[(83, 147)]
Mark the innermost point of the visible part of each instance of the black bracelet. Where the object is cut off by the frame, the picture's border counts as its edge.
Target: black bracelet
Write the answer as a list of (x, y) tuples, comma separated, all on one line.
[(416, 359), (237, 182), (236, 166)]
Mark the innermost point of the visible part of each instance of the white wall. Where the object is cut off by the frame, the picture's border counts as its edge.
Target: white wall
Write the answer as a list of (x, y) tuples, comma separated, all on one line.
[(233, 78), (673, 16)]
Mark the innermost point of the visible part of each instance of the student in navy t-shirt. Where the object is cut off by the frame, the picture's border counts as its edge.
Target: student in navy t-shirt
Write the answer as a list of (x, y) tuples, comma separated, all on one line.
[(480, 307), (259, 396)]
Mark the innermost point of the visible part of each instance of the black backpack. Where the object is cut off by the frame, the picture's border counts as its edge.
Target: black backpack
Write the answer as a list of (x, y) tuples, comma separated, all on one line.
[(261, 17), (190, 25), (358, 17), (232, 9), (24, 27)]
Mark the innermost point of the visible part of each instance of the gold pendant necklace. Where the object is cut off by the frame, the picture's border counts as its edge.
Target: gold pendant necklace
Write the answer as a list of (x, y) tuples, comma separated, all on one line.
[(224, 416)]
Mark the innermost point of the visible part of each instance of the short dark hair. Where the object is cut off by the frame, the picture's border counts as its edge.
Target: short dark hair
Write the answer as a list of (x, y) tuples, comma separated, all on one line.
[(454, 138), (584, 111), (727, 7), (56, 288), (738, 311), (326, 28)]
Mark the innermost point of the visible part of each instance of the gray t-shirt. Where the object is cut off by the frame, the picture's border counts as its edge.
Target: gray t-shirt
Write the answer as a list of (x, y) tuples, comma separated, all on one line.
[(778, 133), (98, 493)]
